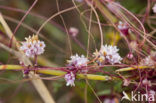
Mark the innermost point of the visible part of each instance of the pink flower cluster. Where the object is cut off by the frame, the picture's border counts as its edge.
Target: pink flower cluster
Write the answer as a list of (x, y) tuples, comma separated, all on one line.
[(70, 78), (108, 54), (32, 46), (76, 63)]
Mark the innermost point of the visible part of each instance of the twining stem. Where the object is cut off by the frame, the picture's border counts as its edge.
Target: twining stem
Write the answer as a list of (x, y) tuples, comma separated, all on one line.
[(98, 20), (57, 72), (22, 21), (56, 14), (104, 11), (80, 76)]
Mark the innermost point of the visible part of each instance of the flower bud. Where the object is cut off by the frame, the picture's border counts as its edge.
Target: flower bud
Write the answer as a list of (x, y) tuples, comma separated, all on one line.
[(73, 31), (124, 28), (130, 56)]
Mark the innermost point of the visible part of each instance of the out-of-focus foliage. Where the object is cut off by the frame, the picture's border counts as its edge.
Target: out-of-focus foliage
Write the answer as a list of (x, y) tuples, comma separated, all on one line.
[(13, 88)]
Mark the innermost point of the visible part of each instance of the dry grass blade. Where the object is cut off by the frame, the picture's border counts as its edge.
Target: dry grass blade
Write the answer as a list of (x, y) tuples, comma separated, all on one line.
[(39, 85)]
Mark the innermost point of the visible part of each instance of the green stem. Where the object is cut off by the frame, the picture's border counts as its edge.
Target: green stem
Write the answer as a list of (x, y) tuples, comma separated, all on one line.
[(57, 73), (133, 68)]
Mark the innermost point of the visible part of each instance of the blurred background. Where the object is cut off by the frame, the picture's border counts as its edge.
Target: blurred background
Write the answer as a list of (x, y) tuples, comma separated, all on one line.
[(13, 88)]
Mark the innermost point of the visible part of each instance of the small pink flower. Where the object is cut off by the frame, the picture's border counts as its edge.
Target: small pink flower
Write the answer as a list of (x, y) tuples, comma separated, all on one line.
[(108, 53), (126, 82), (130, 56), (154, 8), (152, 92), (108, 100), (32, 46), (146, 82), (70, 78), (123, 27), (78, 61), (73, 31)]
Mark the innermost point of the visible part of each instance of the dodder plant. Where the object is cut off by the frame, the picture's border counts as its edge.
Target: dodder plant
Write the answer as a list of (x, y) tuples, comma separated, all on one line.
[(136, 69)]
